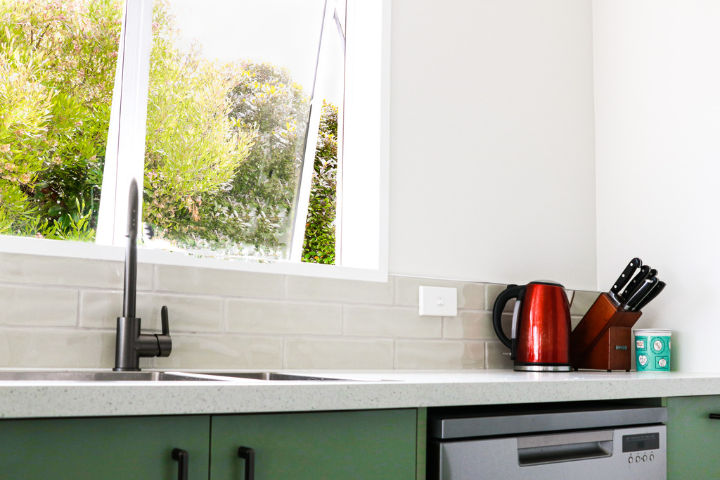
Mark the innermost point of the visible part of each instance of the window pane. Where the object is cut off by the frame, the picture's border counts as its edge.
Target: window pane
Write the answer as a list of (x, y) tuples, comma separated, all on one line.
[(320, 232), (228, 108), (57, 64)]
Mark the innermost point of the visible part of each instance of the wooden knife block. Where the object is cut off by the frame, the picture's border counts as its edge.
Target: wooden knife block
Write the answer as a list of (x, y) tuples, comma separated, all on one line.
[(612, 352), (593, 344)]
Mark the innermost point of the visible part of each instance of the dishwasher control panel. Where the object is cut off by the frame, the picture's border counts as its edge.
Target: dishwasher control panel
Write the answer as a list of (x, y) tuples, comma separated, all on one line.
[(641, 447)]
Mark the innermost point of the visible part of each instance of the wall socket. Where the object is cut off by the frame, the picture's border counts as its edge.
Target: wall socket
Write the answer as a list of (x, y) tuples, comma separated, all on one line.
[(438, 302)]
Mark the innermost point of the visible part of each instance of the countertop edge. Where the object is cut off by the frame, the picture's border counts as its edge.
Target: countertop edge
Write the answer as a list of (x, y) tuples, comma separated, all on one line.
[(409, 390)]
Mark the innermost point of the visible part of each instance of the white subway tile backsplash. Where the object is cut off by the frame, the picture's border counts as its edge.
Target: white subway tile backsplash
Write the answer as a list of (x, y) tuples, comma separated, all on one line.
[(61, 313), (345, 291), (210, 281), (187, 313), (100, 308), (38, 306), (492, 291), (582, 302), (333, 354), (372, 321), (496, 356), (469, 326), (289, 318), (43, 348), (439, 355), (471, 296), (38, 269), (222, 351)]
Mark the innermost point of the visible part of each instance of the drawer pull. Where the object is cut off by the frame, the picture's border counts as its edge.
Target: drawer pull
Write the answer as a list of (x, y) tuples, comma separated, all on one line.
[(249, 455), (715, 416), (183, 459)]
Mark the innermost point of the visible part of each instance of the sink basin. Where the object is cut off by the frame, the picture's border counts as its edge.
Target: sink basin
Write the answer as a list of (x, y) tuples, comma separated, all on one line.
[(107, 376), (272, 376), (148, 376)]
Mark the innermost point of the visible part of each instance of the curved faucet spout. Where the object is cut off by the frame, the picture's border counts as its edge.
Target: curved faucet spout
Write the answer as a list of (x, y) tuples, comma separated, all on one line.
[(130, 343)]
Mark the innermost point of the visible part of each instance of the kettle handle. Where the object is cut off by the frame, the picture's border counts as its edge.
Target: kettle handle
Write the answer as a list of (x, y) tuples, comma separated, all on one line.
[(512, 291)]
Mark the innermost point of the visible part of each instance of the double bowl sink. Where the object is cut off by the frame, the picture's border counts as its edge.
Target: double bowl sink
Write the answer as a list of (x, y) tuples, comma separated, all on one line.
[(149, 376)]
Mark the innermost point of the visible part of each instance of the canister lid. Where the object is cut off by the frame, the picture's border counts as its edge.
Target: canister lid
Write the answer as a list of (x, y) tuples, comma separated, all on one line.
[(652, 332)]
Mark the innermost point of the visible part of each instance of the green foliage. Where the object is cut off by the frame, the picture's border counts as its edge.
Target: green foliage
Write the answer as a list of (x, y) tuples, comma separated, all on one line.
[(319, 244), (193, 148), (244, 136), (57, 60), (224, 143)]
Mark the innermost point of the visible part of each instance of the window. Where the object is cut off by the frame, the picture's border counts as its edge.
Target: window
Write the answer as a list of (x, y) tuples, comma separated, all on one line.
[(235, 115)]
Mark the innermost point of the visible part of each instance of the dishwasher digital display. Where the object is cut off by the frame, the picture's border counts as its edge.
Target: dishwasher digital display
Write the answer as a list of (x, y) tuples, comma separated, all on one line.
[(637, 443)]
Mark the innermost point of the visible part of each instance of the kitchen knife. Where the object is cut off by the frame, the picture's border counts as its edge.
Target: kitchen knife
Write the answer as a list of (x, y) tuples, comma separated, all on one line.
[(651, 296), (636, 283), (623, 279), (640, 294)]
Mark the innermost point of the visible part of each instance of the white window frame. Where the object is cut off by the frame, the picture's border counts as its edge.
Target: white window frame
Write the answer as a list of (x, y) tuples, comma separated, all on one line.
[(364, 209)]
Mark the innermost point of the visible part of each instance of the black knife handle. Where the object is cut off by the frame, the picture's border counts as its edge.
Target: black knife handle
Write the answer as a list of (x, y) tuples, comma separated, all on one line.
[(624, 277), (651, 296), (640, 294), (636, 283)]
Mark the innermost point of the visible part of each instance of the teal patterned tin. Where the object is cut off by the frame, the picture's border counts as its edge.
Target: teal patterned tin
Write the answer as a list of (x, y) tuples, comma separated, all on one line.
[(652, 350)]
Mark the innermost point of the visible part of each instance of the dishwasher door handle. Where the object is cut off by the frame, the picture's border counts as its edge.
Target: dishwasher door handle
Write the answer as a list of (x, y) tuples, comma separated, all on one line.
[(564, 447)]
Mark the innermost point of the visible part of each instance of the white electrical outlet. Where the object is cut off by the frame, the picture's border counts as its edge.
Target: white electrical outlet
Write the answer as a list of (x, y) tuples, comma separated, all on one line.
[(438, 301)]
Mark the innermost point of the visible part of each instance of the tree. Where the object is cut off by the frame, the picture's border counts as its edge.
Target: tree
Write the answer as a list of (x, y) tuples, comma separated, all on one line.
[(193, 147), (57, 60)]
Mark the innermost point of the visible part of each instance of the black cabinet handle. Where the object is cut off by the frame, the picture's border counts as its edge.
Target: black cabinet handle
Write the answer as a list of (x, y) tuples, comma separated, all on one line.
[(183, 459), (715, 416), (249, 455)]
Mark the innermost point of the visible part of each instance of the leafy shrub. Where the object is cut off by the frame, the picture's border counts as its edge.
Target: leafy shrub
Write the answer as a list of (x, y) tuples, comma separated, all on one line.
[(319, 244), (193, 147), (57, 61), (252, 213)]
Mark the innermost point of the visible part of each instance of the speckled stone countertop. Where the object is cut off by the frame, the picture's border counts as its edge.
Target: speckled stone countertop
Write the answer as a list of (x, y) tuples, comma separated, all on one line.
[(401, 389)]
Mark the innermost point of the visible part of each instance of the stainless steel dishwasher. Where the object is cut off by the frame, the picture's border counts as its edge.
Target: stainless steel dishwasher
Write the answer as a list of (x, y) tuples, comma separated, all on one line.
[(548, 442)]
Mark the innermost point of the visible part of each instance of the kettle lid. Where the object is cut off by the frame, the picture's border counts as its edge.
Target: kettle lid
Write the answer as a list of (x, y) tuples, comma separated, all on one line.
[(546, 282)]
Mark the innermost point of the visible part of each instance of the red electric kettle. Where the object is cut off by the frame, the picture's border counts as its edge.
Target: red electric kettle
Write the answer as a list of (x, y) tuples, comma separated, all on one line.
[(540, 340)]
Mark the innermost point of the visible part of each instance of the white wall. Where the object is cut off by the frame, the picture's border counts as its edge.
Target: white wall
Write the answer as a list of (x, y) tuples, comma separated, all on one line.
[(492, 173), (657, 91)]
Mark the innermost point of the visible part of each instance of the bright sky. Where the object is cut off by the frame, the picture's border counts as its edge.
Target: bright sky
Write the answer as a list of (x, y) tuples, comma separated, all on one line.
[(283, 32)]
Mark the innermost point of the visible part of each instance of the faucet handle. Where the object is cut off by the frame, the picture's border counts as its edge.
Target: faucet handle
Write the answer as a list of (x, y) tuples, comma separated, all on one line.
[(165, 320), (164, 341)]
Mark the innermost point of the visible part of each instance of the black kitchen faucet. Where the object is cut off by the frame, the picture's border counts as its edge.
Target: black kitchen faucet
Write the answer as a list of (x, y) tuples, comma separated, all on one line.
[(130, 344)]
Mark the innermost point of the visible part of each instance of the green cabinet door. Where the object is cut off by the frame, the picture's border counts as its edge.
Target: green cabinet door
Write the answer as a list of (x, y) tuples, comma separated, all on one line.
[(121, 448), (358, 445), (693, 438)]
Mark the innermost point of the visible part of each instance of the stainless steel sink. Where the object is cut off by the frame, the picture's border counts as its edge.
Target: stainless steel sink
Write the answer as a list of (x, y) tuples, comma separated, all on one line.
[(148, 376), (272, 376), (108, 376)]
